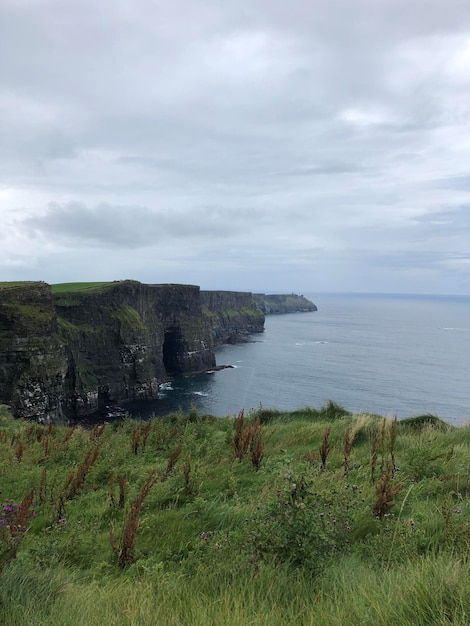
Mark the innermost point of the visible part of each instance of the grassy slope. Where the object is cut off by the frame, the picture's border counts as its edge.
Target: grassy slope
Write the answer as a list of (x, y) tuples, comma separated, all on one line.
[(222, 543), (74, 287)]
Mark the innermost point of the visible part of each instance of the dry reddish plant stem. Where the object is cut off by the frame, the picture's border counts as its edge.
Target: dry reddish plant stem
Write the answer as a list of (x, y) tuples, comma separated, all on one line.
[(125, 552), (23, 514), (373, 458), (42, 486), (97, 432), (187, 473), (381, 443), (19, 451), (325, 448), (248, 438), (393, 440), (76, 479), (122, 491), (135, 440), (17, 530), (68, 435), (385, 491), (145, 434), (257, 450), (172, 461), (348, 443), (45, 445)]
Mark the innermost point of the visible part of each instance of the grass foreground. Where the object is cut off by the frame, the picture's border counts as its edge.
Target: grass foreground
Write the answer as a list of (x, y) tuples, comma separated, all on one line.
[(314, 517)]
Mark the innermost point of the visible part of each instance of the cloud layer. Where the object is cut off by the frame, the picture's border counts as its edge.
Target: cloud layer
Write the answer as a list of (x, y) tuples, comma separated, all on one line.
[(310, 146)]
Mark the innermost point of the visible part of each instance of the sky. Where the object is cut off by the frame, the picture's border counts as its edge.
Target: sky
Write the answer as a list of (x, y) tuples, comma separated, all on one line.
[(306, 146)]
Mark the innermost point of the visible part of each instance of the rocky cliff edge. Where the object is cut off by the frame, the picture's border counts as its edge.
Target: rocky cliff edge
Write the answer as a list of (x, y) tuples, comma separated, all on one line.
[(68, 350)]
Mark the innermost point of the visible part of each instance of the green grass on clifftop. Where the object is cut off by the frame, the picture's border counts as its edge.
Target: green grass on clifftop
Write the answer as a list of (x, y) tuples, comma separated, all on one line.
[(73, 287), (316, 517)]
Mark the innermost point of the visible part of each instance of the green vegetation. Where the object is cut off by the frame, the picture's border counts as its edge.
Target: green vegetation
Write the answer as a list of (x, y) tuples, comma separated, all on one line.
[(74, 287), (236, 313), (314, 517), (30, 311), (127, 315), (67, 327)]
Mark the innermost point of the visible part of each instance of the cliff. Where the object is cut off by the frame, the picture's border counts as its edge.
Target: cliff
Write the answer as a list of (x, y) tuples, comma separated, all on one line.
[(33, 359), (232, 315), (283, 303), (72, 349)]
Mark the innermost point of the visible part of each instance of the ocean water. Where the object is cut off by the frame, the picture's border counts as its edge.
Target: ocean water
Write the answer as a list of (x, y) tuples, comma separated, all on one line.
[(386, 354)]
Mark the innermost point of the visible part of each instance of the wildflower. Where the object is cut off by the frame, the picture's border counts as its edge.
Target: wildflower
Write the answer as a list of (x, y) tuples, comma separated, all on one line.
[(457, 511)]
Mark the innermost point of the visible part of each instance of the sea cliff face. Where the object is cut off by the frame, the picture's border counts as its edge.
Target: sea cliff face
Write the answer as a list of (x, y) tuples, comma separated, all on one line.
[(68, 354), (33, 357), (232, 315)]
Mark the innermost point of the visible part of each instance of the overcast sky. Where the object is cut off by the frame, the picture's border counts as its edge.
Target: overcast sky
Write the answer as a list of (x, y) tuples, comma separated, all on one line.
[(269, 145)]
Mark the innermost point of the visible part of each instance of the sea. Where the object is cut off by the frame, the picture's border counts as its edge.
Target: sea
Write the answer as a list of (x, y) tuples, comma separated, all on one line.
[(393, 355)]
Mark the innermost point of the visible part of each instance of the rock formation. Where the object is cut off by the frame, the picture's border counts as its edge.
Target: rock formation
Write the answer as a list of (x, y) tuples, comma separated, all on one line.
[(283, 303), (68, 354)]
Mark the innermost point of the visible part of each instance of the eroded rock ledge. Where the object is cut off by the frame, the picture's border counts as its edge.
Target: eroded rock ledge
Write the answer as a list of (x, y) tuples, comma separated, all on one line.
[(68, 353)]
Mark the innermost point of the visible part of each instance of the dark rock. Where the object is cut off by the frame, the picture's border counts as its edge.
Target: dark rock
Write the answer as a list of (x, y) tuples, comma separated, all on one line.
[(231, 315), (70, 354)]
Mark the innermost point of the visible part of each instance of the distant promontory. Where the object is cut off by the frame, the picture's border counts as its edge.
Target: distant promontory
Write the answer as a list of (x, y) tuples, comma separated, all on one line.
[(283, 303)]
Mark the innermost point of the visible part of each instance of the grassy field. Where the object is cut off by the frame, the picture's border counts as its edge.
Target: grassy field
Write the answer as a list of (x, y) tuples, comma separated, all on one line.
[(73, 287), (316, 517), (61, 287)]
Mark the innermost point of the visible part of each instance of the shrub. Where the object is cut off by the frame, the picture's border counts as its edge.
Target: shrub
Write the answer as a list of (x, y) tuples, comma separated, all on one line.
[(303, 527)]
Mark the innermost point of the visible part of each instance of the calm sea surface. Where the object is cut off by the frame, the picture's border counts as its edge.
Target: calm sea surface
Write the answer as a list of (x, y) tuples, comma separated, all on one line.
[(392, 355)]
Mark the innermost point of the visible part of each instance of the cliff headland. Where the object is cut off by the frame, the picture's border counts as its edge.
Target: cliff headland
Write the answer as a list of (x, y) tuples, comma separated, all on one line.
[(69, 350), (283, 303)]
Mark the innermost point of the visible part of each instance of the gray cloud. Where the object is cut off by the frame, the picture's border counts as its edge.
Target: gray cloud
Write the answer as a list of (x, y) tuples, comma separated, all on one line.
[(317, 142), (132, 226)]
